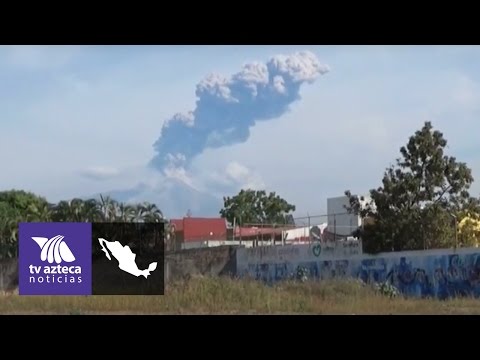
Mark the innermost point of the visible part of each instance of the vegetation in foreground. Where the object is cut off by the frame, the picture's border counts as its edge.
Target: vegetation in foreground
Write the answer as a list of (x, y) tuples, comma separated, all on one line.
[(20, 206), (423, 201), (228, 296)]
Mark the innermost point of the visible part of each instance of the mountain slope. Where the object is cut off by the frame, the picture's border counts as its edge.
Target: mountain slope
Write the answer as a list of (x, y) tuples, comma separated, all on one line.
[(173, 197)]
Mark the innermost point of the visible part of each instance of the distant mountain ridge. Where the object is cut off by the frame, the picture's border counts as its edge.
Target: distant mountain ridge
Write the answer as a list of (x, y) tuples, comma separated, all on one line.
[(173, 197)]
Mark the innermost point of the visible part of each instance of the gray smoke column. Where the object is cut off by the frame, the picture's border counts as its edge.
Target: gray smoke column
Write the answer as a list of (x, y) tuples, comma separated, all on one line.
[(226, 108)]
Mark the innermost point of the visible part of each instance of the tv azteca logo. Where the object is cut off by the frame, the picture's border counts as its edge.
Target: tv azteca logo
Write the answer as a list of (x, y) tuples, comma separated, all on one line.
[(53, 264), (55, 250)]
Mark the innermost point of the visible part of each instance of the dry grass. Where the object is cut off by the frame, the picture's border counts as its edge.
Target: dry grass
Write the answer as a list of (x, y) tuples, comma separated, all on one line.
[(227, 296)]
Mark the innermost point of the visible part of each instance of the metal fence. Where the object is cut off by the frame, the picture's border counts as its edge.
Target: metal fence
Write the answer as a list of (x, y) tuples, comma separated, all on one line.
[(300, 229), (339, 224)]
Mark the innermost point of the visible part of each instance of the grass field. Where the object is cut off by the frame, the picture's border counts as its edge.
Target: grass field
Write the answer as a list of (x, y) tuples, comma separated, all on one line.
[(227, 296)]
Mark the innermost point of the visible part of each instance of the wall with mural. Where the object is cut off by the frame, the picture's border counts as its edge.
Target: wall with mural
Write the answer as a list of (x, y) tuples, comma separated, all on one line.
[(431, 273), (300, 252)]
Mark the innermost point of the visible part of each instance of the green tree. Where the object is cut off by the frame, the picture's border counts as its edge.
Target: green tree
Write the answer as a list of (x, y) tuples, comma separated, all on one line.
[(419, 200), (256, 207), (469, 229), (20, 206), (26, 203), (9, 218), (108, 208), (151, 212), (75, 210)]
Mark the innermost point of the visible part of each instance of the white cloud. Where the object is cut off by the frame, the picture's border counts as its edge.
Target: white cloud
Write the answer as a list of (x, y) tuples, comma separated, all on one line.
[(279, 84), (179, 173), (237, 171), (243, 177), (100, 172), (301, 66)]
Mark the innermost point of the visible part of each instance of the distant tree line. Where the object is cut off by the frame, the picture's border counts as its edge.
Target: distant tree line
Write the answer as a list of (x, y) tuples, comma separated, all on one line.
[(20, 206), (257, 207)]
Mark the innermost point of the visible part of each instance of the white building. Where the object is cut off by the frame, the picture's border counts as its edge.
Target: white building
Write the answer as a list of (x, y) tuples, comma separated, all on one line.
[(340, 221), (302, 235)]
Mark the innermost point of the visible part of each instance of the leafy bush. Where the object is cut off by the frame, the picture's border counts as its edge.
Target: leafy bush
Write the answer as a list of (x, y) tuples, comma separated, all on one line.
[(387, 289), (301, 274)]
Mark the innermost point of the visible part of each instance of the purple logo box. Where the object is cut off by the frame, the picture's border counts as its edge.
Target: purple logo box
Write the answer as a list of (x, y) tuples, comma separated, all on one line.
[(55, 258)]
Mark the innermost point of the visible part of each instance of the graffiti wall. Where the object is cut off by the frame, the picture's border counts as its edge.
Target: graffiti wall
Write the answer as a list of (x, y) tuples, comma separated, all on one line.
[(431, 273), (299, 253)]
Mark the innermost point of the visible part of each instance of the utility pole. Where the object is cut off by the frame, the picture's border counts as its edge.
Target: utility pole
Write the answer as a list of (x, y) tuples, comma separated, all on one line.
[(455, 228), (240, 228), (309, 232), (334, 228), (234, 227)]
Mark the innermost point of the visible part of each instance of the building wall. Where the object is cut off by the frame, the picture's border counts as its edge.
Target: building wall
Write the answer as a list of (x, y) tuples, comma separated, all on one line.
[(217, 261), (438, 273), (293, 255), (338, 215), (215, 243), (301, 234), (338, 220)]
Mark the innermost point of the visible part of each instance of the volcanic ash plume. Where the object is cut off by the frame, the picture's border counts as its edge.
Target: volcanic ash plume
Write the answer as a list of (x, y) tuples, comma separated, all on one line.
[(226, 108)]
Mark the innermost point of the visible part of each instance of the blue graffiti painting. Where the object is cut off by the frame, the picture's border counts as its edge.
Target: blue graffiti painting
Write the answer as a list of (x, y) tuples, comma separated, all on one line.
[(372, 270), (281, 271), (326, 270), (440, 285), (456, 277), (451, 276), (474, 274), (341, 268), (440, 276), (409, 280), (312, 269), (264, 272)]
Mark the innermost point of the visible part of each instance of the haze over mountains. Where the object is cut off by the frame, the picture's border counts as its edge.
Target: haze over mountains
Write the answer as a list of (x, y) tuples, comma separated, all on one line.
[(173, 197)]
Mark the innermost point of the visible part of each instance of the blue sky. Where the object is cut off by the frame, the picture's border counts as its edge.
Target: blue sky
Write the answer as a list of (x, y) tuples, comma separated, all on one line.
[(77, 121)]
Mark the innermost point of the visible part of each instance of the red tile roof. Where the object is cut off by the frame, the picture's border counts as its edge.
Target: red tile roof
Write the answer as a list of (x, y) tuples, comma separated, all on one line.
[(195, 229), (177, 223), (253, 231)]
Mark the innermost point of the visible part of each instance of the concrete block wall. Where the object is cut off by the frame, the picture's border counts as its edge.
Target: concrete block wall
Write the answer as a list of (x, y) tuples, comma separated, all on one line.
[(215, 261), (432, 273), (440, 273)]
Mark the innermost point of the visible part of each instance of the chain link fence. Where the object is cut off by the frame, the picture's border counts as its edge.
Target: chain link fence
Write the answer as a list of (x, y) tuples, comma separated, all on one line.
[(310, 228), (336, 225)]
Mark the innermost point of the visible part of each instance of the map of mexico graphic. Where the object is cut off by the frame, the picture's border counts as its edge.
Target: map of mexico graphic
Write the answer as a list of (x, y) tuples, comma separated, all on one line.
[(128, 258)]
